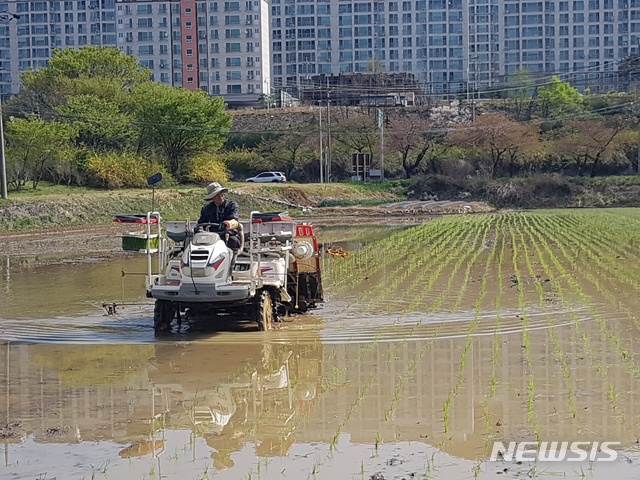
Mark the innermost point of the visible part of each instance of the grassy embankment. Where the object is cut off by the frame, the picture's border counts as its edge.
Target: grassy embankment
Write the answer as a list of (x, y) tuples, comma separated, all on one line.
[(58, 206)]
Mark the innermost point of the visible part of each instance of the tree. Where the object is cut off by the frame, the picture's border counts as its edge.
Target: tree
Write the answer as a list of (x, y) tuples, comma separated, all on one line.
[(268, 100), (286, 152), (504, 140), (357, 134), (93, 70), (243, 161), (32, 144), (558, 98), (65, 167), (415, 140), (590, 141), (179, 123), (100, 123), (520, 93)]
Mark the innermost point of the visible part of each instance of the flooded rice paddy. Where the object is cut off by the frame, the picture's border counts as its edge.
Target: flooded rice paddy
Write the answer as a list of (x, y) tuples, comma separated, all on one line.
[(436, 340)]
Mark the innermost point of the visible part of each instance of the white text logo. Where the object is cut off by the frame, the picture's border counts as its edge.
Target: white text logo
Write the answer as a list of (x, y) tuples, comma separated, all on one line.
[(554, 451)]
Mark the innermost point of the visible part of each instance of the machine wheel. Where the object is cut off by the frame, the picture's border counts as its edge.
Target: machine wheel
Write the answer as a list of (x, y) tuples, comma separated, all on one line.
[(265, 312), (163, 314)]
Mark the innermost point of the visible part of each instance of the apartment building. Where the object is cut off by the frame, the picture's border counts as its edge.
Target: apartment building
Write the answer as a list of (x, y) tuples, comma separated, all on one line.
[(221, 47), (451, 46), (242, 49)]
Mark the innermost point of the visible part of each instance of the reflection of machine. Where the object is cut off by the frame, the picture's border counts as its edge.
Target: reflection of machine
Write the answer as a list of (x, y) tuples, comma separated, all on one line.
[(260, 398), (275, 271)]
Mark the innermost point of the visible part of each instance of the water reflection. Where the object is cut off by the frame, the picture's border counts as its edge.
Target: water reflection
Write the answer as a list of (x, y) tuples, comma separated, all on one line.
[(234, 401), (136, 396)]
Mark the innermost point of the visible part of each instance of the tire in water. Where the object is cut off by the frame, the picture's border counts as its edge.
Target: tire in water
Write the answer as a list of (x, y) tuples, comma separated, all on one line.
[(163, 314), (265, 312)]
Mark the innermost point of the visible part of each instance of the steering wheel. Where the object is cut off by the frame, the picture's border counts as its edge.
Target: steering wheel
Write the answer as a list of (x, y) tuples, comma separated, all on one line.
[(211, 227)]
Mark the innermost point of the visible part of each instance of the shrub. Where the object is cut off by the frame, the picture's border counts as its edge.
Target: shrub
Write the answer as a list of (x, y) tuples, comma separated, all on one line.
[(207, 168), (440, 185), (243, 162), (121, 170)]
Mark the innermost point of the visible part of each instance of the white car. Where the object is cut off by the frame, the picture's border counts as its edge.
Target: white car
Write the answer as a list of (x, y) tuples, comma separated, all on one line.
[(268, 177)]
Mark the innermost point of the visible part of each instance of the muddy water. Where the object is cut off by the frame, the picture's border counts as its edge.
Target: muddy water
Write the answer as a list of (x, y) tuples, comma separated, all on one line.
[(355, 390)]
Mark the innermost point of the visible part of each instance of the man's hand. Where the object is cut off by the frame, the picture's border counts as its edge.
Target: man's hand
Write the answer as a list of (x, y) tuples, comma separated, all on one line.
[(231, 224)]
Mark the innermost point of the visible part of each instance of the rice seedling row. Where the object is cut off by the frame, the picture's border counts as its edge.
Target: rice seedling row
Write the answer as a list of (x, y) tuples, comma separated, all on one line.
[(566, 277), (444, 262), (372, 259), (354, 406), (624, 352), (559, 354), (472, 326), (531, 416), (488, 223), (412, 365), (598, 251), (440, 256), (408, 269), (495, 347), (373, 284)]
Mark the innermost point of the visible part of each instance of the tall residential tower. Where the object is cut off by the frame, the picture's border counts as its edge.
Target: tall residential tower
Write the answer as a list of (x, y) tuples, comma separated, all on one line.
[(242, 49)]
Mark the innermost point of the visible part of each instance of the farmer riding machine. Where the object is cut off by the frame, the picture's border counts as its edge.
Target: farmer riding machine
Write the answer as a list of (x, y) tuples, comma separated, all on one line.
[(275, 272)]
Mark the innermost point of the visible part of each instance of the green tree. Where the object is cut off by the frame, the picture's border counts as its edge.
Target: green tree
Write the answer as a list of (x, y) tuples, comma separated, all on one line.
[(32, 144), (243, 161), (65, 167), (558, 98), (287, 152), (100, 123), (100, 71), (520, 94), (179, 123)]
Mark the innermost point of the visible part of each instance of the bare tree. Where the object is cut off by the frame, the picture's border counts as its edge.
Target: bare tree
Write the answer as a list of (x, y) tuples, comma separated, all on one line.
[(590, 141), (504, 140), (415, 139)]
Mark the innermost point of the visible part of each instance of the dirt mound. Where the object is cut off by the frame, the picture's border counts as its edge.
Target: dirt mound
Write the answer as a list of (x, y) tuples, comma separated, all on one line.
[(296, 196)]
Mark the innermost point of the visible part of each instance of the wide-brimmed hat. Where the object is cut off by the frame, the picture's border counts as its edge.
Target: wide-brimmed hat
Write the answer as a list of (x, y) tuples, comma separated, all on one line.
[(214, 189)]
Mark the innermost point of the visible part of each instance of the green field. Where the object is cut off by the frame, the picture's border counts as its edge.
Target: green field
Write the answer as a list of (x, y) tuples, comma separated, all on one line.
[(524, 325)]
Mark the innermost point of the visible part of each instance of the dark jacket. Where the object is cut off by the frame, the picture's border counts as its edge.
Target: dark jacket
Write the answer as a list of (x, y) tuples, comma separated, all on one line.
[(211, 213)]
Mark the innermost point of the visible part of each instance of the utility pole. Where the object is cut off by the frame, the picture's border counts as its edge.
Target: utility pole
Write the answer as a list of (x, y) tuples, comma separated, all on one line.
[(321, 145), (638, 154), (5, 17), (381, 126), (475, 89), (3, 165), (328, 155)]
